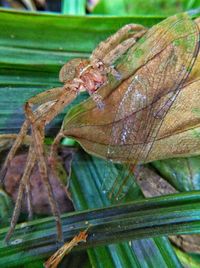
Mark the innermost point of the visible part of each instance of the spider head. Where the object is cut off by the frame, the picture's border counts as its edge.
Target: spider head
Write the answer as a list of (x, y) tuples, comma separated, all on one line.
[(84, 74), (72, 69)]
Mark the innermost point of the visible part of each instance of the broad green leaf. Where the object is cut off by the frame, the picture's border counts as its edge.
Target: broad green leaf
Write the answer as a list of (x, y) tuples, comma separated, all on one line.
[(187, 260), (117, 7), (156, 252)]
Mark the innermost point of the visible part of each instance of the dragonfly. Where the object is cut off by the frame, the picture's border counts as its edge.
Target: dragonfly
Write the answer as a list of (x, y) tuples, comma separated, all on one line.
[(156, 69), (133, 78)]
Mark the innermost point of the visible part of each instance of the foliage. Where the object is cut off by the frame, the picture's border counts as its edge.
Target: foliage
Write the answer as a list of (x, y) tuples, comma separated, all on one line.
[(33, 48)]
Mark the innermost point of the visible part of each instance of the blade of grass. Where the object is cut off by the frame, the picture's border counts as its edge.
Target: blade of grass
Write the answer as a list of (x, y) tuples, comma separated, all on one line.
[(118, 255), (156, 252), (174, 214)]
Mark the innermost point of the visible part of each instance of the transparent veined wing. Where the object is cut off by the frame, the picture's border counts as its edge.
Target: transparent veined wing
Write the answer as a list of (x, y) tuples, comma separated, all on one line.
[(150, 93)]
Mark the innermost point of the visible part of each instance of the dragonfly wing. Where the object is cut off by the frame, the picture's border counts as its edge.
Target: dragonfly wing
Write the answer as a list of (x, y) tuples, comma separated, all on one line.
[(151, 92)]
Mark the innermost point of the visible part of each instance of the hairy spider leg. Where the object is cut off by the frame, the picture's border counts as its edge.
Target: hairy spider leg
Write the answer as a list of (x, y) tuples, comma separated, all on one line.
[(46, 96), (27, 171), (114, 40), (37, 119)]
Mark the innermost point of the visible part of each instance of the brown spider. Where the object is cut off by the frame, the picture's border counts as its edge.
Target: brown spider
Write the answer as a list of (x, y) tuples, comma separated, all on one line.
[(77, 75)]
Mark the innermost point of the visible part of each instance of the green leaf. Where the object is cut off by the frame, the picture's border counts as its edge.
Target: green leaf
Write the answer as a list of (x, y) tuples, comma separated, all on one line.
[(174, 214), (153, 251), (140, 7), (156, 252), (182, 173), (31, 55), (6, 207), (187, 260), (116, 7), (73, 7)]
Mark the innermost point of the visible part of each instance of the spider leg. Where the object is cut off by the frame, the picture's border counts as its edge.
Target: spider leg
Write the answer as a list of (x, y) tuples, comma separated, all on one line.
[(38, 125), (54, 146), (114, 40), (46, 96), (38, 114), (115, 46), (16, 145), (120, 49), (28, 201), (27, 171), (38, 137)]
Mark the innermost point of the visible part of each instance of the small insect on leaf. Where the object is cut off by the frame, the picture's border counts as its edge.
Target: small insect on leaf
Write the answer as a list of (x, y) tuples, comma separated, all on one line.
[(156, 69)]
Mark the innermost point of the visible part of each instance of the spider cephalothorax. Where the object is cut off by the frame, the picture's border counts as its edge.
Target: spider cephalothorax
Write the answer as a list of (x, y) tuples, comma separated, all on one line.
[(89, 76), (84, 75)]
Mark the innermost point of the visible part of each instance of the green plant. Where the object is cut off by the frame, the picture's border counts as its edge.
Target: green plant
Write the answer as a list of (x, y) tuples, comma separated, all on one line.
[(33, 48)]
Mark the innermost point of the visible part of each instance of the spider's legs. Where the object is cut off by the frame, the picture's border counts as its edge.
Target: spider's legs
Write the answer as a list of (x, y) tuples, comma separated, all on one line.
[(54, 146), (115, 46), (38, 126), (28, 200), (43, 97), (16, 145), (38, 137), (50, 96), (120, 49), (105, 47), (28, 169)]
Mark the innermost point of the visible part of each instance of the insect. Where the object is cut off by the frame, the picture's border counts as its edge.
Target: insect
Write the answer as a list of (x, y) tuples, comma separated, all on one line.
[(77, 75)]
